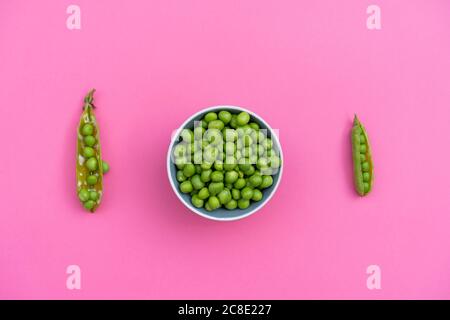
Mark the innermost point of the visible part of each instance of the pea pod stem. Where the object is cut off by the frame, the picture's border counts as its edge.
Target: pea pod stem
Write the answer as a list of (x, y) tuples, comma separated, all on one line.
[(89, 98)]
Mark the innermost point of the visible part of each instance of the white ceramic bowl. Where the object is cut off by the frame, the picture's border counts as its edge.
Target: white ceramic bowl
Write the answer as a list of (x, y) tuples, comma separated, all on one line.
[(222, 214)]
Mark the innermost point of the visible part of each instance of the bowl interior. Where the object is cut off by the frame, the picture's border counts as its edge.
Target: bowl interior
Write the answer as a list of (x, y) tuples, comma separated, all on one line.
[(222, 213)]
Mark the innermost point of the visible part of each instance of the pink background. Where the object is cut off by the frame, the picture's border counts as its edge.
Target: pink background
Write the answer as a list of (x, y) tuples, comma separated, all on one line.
[(304, 66)]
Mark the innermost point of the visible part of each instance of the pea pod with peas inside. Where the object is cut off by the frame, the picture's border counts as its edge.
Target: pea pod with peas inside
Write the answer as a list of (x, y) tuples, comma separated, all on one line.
[(362, 159), (90, 166)]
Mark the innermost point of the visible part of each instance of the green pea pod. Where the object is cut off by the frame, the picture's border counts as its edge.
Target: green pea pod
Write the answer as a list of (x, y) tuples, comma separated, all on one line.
[(89, 158), (362, 159)]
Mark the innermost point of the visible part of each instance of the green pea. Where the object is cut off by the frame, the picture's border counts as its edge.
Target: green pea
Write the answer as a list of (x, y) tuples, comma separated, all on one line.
[(206, 165), (231, 176), (186, 187), (224, 196), (233, 121), (230, 148), (275, 162), (215, 188), (198, 132), (92, 164), (253, 159), (180, 150), (243, 118), (218, 166), (205, 176), (366, 187), (230, 135), (87, 130), (231, 165), (248, 141), (257, 195), (207, 207), (225, 116), (89, 141), (210, 154), (261, 136), (240, 183), (83, 194), (204, 124), (91, 180), (268, 144), (243, 203), (197, 183), (250, 171), (216, 124), (180, 162), (213, 136), (254, 126), (213, 202), (255, 180), (362, 159), (271, 153), (267, 181), (363, 148), (235, 194), (189, 170), (203, 193), (196, 201), (198, 160), (366, 177), (88, 152), (244, 165), (105, 167), (247, 152), (205, 143), (231, 205), (362, 139), (210, 116), (262, 163), (94, 195), (365, 166), (217, 176), (247, 193), (89, 205), (187, 136)]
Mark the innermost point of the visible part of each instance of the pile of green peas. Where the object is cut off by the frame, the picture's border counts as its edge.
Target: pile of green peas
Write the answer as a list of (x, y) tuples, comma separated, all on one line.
[(225, 161)]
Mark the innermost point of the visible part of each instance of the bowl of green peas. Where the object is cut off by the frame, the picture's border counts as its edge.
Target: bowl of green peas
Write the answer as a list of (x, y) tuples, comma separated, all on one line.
[(224, 163)]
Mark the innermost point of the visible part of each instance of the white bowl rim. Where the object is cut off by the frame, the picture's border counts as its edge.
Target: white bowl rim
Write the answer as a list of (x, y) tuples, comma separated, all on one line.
[(169, 163)]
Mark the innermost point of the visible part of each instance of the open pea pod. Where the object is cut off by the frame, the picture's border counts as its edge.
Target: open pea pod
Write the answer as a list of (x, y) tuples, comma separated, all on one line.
[(90, 167), (362, 159)]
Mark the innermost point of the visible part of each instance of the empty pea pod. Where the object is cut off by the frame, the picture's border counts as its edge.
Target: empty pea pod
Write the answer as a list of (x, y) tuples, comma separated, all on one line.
[(362, 159), (90, 166)]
